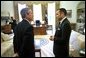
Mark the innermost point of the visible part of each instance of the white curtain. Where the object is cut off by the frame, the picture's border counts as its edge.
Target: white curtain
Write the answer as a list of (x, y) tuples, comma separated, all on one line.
[(20, 7), (51, 16), (37, 12)]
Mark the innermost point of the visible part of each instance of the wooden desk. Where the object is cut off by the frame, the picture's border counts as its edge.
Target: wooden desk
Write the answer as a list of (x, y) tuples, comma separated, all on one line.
[(73, 26), (40, 30)]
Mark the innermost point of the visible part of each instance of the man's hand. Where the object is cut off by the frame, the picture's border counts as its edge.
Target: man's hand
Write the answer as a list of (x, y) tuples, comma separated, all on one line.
[(15, 55), (51, 38)]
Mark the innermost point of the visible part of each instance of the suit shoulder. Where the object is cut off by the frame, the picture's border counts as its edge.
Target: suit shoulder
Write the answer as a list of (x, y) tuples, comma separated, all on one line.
[(66, 23)]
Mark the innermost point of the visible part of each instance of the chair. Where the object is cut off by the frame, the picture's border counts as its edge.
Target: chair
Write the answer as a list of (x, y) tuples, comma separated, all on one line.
[(38, 50)]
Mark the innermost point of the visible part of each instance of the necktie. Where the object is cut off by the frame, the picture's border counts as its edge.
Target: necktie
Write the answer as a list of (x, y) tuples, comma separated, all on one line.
[(59, 24)]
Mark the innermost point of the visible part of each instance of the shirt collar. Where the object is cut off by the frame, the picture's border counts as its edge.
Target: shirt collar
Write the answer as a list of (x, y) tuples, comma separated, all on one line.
[(28, 21), (62, 20)]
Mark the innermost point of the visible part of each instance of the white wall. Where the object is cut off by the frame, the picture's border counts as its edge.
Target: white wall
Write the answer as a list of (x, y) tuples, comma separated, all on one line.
[(70, 5), (7, 8)]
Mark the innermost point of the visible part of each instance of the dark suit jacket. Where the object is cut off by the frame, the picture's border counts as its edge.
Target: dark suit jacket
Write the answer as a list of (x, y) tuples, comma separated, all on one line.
[(24, 39), (61, 39), (13, 24)]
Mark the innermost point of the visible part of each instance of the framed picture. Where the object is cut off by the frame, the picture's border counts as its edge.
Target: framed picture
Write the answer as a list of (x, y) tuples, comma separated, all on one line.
[(69, 13), (5, 18)]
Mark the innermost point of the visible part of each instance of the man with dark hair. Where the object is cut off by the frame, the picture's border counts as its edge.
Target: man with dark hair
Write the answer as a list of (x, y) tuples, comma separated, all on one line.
[(24, 36), (62, 35), (13, 23)]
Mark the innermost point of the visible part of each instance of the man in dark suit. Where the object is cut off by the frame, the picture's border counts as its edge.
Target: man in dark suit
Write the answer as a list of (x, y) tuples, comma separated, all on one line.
[(23, 35), (62, 35), (13, 23)]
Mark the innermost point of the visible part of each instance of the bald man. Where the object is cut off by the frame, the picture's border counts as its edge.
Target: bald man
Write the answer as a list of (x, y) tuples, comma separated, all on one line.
[(62, 34)]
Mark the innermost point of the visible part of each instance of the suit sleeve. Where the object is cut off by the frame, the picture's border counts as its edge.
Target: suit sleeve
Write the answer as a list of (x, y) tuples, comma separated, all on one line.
[(15, 42), (66, 29)]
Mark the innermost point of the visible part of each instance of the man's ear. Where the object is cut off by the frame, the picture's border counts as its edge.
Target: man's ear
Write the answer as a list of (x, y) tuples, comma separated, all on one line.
[(62, 13)]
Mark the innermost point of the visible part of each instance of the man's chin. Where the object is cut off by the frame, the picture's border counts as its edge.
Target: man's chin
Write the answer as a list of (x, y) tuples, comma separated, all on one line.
[(59, 19)]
